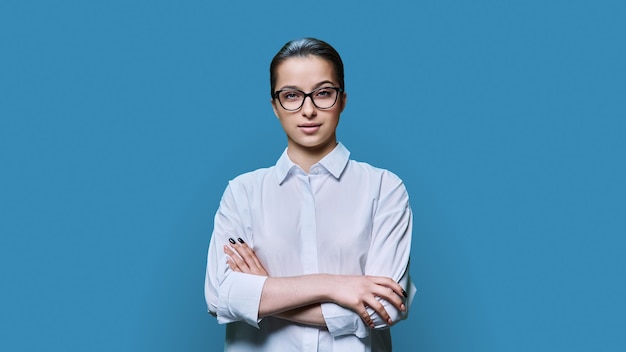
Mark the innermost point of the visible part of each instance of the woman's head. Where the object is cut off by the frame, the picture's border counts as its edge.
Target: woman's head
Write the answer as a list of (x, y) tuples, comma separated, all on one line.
[(308, 68), (307, 47)]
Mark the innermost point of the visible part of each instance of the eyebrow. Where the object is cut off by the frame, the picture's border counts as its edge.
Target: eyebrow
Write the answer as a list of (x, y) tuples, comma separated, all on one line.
[(314, 87)]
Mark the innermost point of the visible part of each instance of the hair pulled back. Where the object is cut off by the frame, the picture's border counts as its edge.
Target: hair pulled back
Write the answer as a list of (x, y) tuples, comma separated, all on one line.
[(303, 48)]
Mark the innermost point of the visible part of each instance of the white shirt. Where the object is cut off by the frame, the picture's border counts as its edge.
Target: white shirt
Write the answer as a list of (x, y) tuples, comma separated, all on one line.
[(344, 217)]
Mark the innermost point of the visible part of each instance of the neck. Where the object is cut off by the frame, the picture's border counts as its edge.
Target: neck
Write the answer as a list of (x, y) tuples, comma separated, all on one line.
[(305, 158)]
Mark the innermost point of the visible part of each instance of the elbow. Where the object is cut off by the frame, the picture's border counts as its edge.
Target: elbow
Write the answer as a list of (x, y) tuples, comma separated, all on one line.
[(211, 299), (212, 310)]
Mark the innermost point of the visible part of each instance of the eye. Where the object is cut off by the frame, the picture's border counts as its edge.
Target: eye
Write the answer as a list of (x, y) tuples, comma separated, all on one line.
[(290, 95), (324, 93)]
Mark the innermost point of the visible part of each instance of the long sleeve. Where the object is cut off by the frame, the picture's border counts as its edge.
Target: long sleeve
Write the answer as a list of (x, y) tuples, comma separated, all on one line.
[(230, 296), (391, 242), (388, 255)]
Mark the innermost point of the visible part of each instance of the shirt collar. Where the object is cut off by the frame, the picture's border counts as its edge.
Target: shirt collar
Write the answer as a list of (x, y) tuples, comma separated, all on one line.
[(335, 162)]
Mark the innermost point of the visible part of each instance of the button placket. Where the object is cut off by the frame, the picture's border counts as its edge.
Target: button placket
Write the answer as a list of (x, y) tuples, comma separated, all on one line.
[(308, 227), (308, 240)]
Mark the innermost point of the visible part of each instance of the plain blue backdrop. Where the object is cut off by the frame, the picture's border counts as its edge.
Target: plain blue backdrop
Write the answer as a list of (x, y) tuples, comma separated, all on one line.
[(121, 123)]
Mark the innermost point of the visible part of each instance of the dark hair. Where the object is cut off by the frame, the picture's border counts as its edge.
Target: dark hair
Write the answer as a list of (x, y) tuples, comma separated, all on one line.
[(305, 47)]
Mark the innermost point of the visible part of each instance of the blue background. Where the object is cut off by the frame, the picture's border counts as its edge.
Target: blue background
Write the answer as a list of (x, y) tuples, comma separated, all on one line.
[(122, 121)]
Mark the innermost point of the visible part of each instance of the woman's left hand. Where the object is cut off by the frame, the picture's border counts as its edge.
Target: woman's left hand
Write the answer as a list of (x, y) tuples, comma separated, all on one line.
[(243, 259)]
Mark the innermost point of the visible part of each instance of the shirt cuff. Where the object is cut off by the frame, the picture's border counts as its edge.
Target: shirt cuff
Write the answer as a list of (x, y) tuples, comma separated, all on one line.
[(342, 321), (239, 298)]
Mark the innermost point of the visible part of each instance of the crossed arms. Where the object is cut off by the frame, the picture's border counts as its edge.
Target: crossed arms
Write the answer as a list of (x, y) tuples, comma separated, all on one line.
[(238, 287), (298, 298)]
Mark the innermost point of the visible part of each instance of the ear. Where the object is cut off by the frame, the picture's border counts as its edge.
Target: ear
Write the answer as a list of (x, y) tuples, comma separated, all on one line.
[(273, 102), (344, 99)]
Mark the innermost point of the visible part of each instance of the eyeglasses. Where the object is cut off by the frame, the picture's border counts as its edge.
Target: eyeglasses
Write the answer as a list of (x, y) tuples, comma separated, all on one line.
[(293, 99)]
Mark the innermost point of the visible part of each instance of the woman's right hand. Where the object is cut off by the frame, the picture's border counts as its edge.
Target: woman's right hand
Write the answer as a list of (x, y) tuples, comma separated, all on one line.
[(244, 260)]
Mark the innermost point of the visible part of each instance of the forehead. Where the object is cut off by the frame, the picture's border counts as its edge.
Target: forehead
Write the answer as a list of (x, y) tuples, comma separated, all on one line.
[(304, 72)]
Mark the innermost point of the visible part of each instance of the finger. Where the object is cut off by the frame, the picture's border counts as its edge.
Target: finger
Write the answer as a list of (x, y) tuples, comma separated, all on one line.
[(229, 251), (387, 282), (390, 296), (251, 255), (379, 309), (244, 254), (229, 261), (236, 258), (365, 316), (248, 255), (233, 266)]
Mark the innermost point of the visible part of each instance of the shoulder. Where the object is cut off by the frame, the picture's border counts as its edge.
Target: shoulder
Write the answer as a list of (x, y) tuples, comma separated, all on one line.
[(365, 169), (382, 182), (251, 176), (252, 179)]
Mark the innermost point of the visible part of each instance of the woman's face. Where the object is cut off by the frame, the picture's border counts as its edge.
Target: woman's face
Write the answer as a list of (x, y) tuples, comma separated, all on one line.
[(309, 130)]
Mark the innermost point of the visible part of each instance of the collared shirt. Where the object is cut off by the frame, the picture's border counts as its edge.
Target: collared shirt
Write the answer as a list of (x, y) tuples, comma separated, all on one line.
[(343, 217)]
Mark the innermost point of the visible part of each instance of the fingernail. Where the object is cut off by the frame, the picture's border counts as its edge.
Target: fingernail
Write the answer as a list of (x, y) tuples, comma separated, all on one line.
[(403, 307), (231, 241), (404, 293), (240, 240)]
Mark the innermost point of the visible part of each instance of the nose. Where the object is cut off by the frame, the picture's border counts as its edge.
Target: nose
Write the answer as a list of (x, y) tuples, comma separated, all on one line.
[(308, 108)]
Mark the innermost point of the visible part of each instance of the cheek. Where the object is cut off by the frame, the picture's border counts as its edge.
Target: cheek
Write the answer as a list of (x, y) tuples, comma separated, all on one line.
[(335, 118), (286, 123)]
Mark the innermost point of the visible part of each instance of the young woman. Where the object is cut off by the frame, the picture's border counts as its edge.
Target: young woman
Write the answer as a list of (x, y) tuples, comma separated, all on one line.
[(311, 254)]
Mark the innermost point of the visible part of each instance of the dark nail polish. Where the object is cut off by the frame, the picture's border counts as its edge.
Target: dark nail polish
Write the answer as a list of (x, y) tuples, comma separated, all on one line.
[(240, 240), (231, 241), (404, 293)]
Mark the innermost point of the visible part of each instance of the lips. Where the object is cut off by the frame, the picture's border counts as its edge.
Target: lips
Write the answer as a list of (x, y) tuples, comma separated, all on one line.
[(309, 128)]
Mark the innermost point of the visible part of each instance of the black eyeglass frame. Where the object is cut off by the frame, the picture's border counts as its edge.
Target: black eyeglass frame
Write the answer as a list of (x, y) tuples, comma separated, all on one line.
[(310, 95)]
